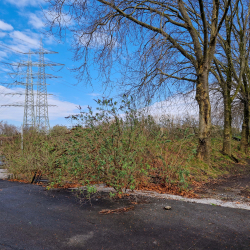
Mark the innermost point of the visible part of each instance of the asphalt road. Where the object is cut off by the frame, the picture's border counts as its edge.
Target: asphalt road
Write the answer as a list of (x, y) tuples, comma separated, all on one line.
[(33, 218)]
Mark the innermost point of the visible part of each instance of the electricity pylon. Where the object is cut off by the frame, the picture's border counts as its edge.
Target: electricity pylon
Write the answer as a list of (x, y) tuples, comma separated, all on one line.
[(29, 113), (40, 118), (42, 114)]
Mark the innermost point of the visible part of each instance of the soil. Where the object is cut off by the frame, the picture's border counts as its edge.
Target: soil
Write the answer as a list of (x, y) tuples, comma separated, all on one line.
[(230, 188)]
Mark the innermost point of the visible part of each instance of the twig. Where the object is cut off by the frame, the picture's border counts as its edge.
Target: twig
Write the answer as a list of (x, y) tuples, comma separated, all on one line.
[(118, 210)]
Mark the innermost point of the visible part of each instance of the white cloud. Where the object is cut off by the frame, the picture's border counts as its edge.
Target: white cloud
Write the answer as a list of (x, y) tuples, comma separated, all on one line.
[(63, 19), (3, 54), (22, 39), (94, 94), (39, 19), (178, 107), (5, 26), (26, 40), (3, 68), (95, 40), (175, 108), (35, 21), (2, 34), (23, 3), (62, 109), (51, 40)]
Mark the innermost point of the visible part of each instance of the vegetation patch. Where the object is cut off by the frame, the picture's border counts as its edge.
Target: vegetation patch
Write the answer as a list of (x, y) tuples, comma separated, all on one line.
[(123, 148)]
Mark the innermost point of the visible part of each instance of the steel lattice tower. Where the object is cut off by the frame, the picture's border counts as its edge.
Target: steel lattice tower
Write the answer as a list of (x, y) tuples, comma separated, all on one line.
[(42, 116), (29, 113)]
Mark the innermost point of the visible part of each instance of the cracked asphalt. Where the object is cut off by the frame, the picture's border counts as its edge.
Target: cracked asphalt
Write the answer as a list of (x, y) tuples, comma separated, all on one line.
[(33, 218)]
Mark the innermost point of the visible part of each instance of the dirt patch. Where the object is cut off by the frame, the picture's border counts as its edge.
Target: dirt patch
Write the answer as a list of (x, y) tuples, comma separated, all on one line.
[(245, 192), (231, 188), (168, 189)]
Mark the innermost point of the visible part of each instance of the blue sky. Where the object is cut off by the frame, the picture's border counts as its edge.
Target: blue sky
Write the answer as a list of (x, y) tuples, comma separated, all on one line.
[(21, 28)]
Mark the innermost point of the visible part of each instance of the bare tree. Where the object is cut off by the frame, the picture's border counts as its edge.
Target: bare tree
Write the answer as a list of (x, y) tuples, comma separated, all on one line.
[(7, 129), (245, 100), (151, 41), (242, 34), (230, 62)]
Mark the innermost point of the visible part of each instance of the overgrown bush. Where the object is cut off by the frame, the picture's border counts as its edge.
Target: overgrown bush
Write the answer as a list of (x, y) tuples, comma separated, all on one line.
[(178, 127), (117, 145), (58, 130), (114, 146)]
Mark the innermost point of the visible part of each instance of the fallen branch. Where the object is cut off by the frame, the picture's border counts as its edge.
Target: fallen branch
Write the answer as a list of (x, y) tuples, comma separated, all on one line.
[(116, 211)]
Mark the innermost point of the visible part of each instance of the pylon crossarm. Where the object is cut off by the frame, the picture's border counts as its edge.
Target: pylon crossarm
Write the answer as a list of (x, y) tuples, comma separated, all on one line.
[(34, 75), (22, 94), (35, 64), (23, 105), (36, 117), (19, 83)]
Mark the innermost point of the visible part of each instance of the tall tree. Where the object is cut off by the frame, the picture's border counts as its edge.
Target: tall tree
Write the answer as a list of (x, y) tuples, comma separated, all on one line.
[(242, 35), (223, 72), (230, 64), (245, 99), (112, 29)]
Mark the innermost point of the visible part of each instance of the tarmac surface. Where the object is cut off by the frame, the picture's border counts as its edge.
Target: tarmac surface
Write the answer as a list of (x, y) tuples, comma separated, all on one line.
[(34, 218)]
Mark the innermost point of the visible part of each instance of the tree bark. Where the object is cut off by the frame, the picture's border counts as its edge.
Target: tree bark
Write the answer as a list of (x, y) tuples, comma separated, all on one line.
[(227, 133), (245, 129), (202, 97)]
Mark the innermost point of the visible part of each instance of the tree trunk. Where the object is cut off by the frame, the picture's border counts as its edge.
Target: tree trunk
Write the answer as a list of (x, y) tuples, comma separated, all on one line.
[(227, 133), (245, 129), (202, 97)]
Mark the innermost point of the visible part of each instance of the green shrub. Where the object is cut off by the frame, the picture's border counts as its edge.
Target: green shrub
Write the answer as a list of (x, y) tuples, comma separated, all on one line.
[(117, 145)]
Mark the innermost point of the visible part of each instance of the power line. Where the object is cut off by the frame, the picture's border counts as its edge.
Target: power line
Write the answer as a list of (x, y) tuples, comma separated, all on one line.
[(18, 64), (40, 117), (47, 51), (27, 53), (29, 111), (68, 84), (3, 45)]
